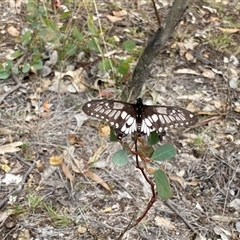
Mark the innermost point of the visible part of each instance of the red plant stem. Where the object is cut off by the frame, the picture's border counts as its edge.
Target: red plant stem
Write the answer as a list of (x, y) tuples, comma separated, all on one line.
[(154, 194)]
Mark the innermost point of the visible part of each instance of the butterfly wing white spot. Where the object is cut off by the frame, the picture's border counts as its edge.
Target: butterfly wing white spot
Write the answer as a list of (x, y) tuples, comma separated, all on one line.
[(130, 121), (123, 115)]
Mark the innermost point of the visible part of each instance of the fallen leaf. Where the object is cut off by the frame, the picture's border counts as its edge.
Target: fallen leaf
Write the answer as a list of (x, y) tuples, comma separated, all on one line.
[(119, 13), (113, 19), (222, 218), (5, 168), (46, 106), (178, 179), (5, 214), (56, 160), (11, 147), (229, 30), (97, 154), (208, 74), (12, 179), (81, 229), (97, 179), (235, 204), (72, 139), (5, 131), (187, 71), (67, 172), (108, 209), (163, 222), (13, 31), (189, 56), (104, 130)]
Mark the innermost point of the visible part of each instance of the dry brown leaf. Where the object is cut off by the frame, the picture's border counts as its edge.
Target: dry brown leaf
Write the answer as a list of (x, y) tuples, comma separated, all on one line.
[(113, 19), (106, 93), (189, 56), (81, 229), (119, 13), (73, 139), (13, 31), (214, 19), (229, 30), (108, 209), (11, 147), (5, 131), (163, 222), (5, 168), (97, 179), (187, 71), (237, 109), (221, 218), (194, 182), (217, 104), (97, 154), (208, 74), (46, 106), (67, 172), (177, 179), (104, 130), (56, 160)]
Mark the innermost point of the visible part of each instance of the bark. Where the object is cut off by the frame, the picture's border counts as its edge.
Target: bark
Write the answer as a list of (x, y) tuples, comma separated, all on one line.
[(155, 45)]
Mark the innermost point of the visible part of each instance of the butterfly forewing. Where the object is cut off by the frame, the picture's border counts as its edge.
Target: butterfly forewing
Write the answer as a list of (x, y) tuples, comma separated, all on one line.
[(119, 115)]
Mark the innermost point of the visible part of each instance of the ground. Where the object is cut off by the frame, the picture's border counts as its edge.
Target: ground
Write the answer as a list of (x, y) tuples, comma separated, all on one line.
[(87, 196)]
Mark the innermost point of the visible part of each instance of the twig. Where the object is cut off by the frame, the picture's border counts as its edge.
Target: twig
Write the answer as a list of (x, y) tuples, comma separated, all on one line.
[(156, 14), (169, 204), (21, 185)]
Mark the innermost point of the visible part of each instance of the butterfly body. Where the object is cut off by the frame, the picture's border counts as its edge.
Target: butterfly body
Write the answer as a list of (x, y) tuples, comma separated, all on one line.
[(127, 118)]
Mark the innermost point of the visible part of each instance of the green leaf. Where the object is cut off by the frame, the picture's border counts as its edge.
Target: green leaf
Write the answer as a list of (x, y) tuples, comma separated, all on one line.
[(2, 68), (105, 64), (9, 64), (32, 11), (129, 45), (25, 68), (147, 151), (16, 54), (120, 158), (65, 14), (38, 64), (48, 34), (113, 137), (71, 49), (15, 70), (162, 184), (153, 138), (91, 26), (26, 37), (123, 68), (164, 152), (4, 74), (77, 34), (93, 45)]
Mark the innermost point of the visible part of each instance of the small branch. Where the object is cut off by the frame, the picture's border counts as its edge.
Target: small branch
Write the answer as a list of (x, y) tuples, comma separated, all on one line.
[(156, 13), (169, 204), (19, 85)]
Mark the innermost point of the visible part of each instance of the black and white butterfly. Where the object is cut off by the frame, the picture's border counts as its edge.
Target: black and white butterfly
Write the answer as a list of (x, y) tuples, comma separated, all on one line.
[(127, 118)]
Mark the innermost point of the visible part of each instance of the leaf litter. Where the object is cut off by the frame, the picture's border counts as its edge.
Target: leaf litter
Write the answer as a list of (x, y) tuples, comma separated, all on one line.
[(193, 70)]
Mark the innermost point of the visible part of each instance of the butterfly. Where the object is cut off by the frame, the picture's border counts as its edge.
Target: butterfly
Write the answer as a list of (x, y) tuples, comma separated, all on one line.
[(127, 118)]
